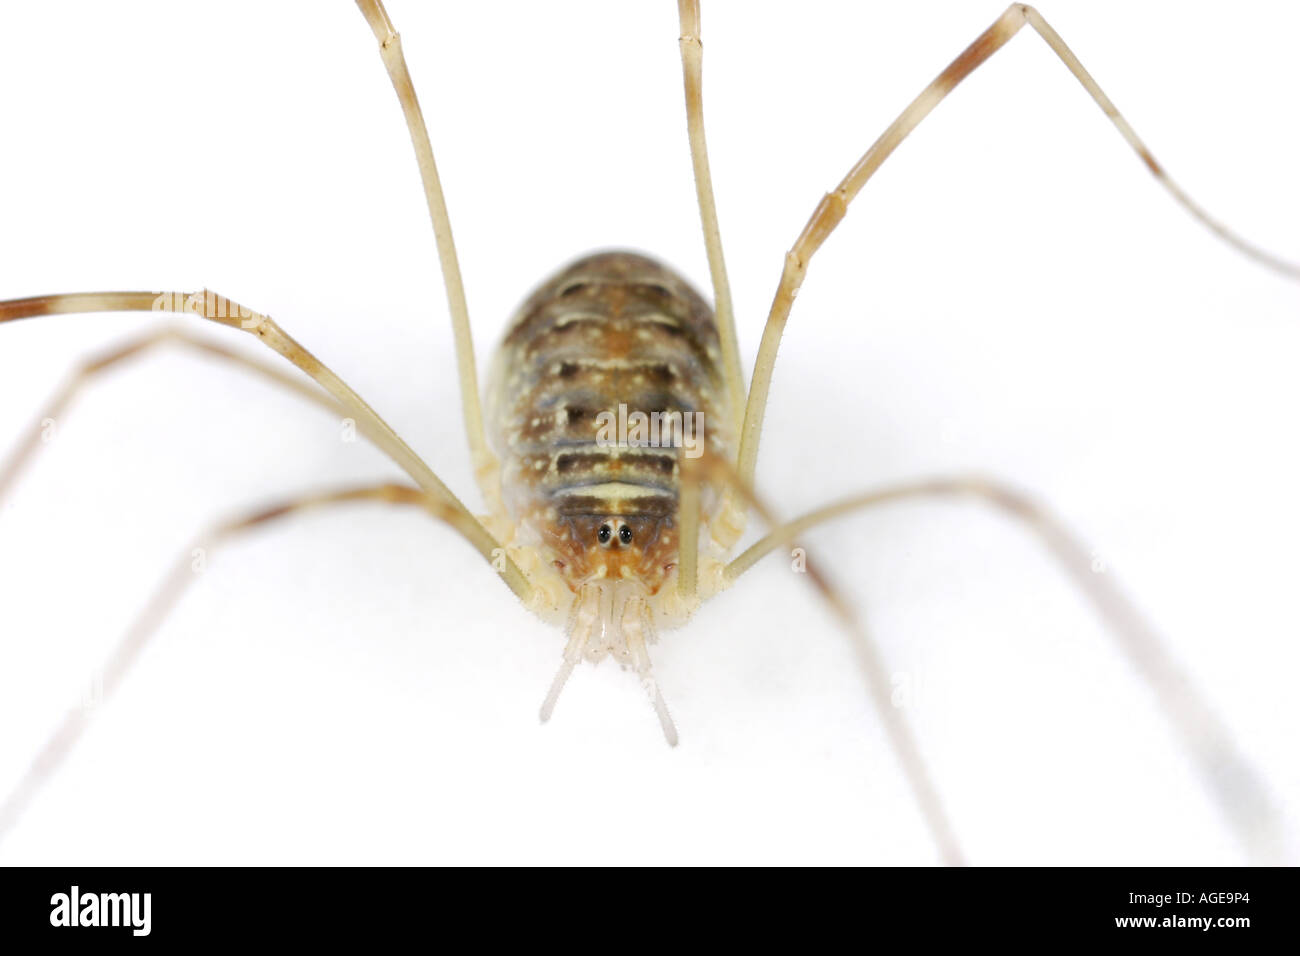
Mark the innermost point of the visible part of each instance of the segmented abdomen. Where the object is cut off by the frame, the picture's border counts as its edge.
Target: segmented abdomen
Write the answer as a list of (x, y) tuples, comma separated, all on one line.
[(613, 329)]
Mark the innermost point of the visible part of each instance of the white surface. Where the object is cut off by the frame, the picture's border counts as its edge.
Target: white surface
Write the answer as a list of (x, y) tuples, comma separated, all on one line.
[(1013, 294)]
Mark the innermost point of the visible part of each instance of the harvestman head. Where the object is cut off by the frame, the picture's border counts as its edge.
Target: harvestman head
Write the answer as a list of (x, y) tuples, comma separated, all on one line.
[(616, 540)]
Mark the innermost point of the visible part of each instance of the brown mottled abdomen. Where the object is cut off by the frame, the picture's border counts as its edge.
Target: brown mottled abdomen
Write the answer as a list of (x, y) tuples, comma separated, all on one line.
[(613, 329)]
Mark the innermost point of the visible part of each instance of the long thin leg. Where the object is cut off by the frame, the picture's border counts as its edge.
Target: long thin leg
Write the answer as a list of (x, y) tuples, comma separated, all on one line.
[(217, 308), (1242, 796), (90, 369), (128, 650), (486, 469), (831, 210), (720, 472), (688, 521), (692, 76)]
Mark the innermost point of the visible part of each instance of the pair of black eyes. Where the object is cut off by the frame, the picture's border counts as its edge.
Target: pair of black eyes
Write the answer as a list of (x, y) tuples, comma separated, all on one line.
[(606, 532)]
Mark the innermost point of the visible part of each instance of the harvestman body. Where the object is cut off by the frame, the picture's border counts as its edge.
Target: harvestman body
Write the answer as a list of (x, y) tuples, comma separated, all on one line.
[(595, 518), (615, 541)]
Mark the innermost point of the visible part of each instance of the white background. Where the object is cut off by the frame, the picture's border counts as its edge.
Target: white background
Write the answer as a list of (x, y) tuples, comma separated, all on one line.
[(1012, 294)]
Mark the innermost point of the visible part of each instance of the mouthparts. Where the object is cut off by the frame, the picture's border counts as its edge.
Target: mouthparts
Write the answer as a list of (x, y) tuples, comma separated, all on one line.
[(612, 618)]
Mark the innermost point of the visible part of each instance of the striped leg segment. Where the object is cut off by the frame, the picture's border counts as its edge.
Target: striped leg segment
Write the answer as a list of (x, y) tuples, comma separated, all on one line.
[(92, 368), (714, 470), (831, 210), (486, 468), (692, 75), (1242, 796), (217, 308), (165, 597)]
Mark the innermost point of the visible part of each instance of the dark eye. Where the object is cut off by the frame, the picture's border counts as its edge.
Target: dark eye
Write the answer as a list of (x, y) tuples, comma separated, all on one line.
[(625, 534), (604, 534)]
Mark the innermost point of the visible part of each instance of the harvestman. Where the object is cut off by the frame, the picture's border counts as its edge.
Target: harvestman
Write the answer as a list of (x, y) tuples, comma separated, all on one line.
[(629, 570)]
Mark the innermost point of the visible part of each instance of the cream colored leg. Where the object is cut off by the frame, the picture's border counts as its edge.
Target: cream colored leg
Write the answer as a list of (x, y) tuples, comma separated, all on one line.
[(872, 664), (1243, 797), (128, 650), (93, 367), (216, 308), (486, 469), (835, 204), (692, 75)]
